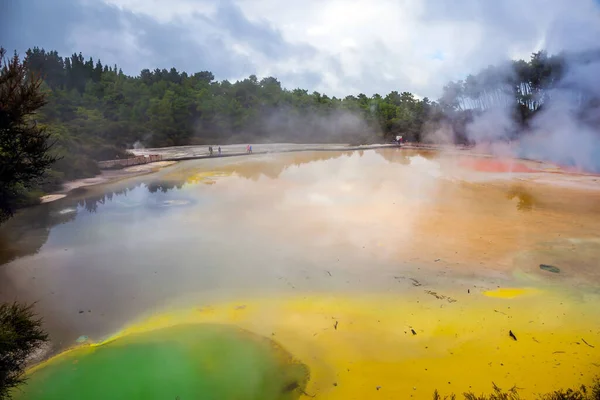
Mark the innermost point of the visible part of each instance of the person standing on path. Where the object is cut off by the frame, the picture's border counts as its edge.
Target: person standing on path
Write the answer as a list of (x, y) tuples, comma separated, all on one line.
[(219, 150)]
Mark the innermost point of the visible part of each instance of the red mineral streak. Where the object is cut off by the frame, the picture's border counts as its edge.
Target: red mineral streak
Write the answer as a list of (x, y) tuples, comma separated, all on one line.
[(495, 165)]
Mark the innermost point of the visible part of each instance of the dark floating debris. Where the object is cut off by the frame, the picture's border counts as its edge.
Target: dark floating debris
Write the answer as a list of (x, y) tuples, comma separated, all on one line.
[(583, 340), (328, 273), (440, 296), (413, 332), (469, 291), (512, 335), (377, 387), (295, 386), (416, 282), (550, 268), (80, 311), (335, 325)]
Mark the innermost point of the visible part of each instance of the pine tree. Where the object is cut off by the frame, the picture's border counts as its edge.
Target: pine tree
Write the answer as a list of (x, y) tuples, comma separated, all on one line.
[(24, 145)]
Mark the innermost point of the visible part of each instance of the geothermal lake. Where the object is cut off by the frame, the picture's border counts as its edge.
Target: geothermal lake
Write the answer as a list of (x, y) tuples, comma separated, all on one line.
[(371, 274)]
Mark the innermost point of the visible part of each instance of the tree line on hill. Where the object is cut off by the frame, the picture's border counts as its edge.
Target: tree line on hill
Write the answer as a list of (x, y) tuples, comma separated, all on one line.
[(99, 111)]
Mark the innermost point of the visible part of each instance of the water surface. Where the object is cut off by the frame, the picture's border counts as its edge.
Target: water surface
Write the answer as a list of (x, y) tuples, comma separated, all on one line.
[(182, 362), (381, 242)]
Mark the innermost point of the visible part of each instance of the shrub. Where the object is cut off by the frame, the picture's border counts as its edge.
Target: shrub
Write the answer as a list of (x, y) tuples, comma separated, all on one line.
[(21, 334), (583, 393)]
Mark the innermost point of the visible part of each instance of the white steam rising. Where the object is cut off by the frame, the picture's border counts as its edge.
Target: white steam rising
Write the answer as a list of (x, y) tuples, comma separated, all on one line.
[(566, 129), (563, 132)]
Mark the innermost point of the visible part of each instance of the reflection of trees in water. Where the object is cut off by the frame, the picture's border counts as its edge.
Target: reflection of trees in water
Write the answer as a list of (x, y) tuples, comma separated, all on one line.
[(164, 186), (397, 156), (28, 231), (273, 168), (402, 156), (90, 202)]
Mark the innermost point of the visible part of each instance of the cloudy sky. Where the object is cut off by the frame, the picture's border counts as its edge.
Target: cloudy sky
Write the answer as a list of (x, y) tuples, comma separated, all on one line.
[(337, 47)]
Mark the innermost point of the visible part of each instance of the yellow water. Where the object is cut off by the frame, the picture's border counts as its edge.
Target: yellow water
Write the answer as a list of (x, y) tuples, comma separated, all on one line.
[(471, 225), (353, 345)]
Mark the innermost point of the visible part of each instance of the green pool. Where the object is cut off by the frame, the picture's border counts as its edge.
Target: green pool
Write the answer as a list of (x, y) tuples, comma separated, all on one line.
[(197, 361)]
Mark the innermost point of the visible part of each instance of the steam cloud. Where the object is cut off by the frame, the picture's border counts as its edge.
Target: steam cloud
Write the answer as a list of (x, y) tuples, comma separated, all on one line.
[(566, 130), (560, 132), (289, 125), (339, 125)]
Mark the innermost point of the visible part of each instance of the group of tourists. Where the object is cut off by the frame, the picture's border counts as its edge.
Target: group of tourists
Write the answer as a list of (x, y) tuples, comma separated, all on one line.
[(211, 151)]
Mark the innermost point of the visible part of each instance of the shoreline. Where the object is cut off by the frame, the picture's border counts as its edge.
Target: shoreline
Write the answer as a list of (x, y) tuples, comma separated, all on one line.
[(113, 175), (106, 176), (174, 154), (183, 153)]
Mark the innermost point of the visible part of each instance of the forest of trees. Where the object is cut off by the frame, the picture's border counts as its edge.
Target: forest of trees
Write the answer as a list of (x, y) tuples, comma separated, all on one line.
[(96, 111)]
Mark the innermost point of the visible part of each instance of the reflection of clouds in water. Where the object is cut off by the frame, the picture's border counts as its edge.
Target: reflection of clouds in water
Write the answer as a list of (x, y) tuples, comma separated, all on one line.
[(123, 203), (359, 180), (353, 201), (153, 239), (320, 199), (169, 203), (426, 166), (30, 229), (381, 197)]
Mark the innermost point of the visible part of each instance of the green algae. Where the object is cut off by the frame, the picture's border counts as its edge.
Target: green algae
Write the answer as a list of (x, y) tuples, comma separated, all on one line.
[(197, 361)]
